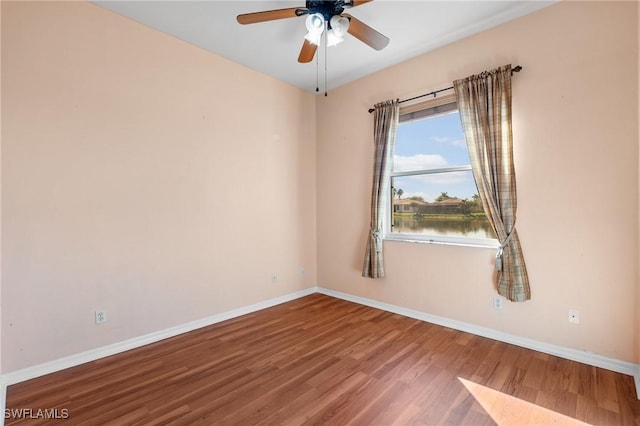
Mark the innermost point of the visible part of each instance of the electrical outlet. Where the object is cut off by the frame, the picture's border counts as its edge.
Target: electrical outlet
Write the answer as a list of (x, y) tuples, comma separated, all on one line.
[(101, 317), (274, 278), (302, 272), (497, 302), (574, 316)]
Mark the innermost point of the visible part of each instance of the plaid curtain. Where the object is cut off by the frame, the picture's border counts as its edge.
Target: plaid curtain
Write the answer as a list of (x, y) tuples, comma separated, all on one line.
[(385, 120), (484, 102)]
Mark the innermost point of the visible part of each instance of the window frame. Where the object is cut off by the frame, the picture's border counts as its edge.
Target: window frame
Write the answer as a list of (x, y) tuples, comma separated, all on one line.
[(414, 112)]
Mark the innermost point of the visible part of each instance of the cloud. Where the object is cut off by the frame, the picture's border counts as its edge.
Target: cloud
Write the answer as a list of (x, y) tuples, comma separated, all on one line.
[(418, 162), (448, 178), (457, 142)]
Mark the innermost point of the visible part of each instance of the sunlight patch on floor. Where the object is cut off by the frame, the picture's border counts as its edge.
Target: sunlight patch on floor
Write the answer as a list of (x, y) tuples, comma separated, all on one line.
[(508, 410)]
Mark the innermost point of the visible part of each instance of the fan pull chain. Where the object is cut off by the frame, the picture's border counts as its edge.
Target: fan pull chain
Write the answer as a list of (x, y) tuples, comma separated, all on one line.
[(317, 72), (326, 58)]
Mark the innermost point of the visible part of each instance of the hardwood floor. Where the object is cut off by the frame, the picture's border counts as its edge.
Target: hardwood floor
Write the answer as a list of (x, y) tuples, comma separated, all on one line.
[(320, 360)]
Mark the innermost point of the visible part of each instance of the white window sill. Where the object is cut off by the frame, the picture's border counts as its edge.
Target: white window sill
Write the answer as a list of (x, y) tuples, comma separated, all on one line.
[(426, 239)]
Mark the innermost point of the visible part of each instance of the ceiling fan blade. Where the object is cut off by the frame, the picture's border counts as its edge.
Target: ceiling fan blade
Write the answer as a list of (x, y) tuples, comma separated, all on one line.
[(269, 15), (354, 3), (307, 52), (365, 33)]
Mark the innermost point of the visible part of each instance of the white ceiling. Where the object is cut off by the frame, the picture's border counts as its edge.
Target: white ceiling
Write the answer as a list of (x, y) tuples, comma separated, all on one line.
[(414, 27)]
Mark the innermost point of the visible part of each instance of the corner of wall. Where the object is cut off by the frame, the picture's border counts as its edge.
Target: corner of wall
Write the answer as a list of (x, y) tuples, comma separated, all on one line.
[(637, 333), (1, 4)]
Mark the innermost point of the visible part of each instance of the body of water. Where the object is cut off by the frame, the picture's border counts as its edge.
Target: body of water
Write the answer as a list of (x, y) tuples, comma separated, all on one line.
[(471, 228)]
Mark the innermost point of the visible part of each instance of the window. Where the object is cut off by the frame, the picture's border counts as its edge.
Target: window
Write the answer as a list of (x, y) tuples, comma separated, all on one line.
[(433, 194)]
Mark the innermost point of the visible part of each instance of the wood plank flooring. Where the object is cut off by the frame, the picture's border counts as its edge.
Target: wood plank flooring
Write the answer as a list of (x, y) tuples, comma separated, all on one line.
[(325, 361)]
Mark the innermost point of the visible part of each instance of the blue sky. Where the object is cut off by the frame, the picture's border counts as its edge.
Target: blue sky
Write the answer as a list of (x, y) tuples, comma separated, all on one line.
[(435, 142)]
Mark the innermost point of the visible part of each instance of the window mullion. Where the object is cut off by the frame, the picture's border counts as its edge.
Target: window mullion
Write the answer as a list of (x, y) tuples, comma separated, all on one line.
[(432, 171)]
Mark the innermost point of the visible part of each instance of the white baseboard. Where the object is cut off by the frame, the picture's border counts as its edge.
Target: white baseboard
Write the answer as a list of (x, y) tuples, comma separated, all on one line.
[(636, 376), (595, 360), (94, 354), (3, 400)]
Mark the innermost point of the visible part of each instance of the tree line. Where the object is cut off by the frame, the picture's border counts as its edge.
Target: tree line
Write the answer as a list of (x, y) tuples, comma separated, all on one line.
[(464, 206)]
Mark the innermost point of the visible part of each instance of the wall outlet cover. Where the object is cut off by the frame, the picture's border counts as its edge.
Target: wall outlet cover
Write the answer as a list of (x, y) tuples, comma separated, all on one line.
[(101, 317), (497, 302), (574, 316)]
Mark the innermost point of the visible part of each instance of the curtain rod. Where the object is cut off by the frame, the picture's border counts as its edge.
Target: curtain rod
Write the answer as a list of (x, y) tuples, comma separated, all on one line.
[(517, 68)]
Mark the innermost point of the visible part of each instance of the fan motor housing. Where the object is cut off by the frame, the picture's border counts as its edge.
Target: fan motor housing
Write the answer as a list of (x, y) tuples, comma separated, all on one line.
[(327, 9)]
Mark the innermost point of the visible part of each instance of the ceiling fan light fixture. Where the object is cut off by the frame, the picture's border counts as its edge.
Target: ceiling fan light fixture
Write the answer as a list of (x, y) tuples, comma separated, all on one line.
[(333, 39), (339, 25), (315, 23), (315, 26), (313, 38)]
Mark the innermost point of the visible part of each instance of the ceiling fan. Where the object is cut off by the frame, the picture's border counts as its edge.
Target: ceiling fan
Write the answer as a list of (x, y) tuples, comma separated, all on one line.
[(323, 15)]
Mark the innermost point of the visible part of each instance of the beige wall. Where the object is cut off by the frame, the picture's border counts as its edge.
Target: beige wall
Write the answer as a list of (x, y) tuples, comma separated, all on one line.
[(142, 176), (576, 150), (128, 186)]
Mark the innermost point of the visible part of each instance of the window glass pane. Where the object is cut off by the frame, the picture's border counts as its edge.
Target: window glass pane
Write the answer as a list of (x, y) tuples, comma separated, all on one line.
[(430, 143), (439, 204)]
